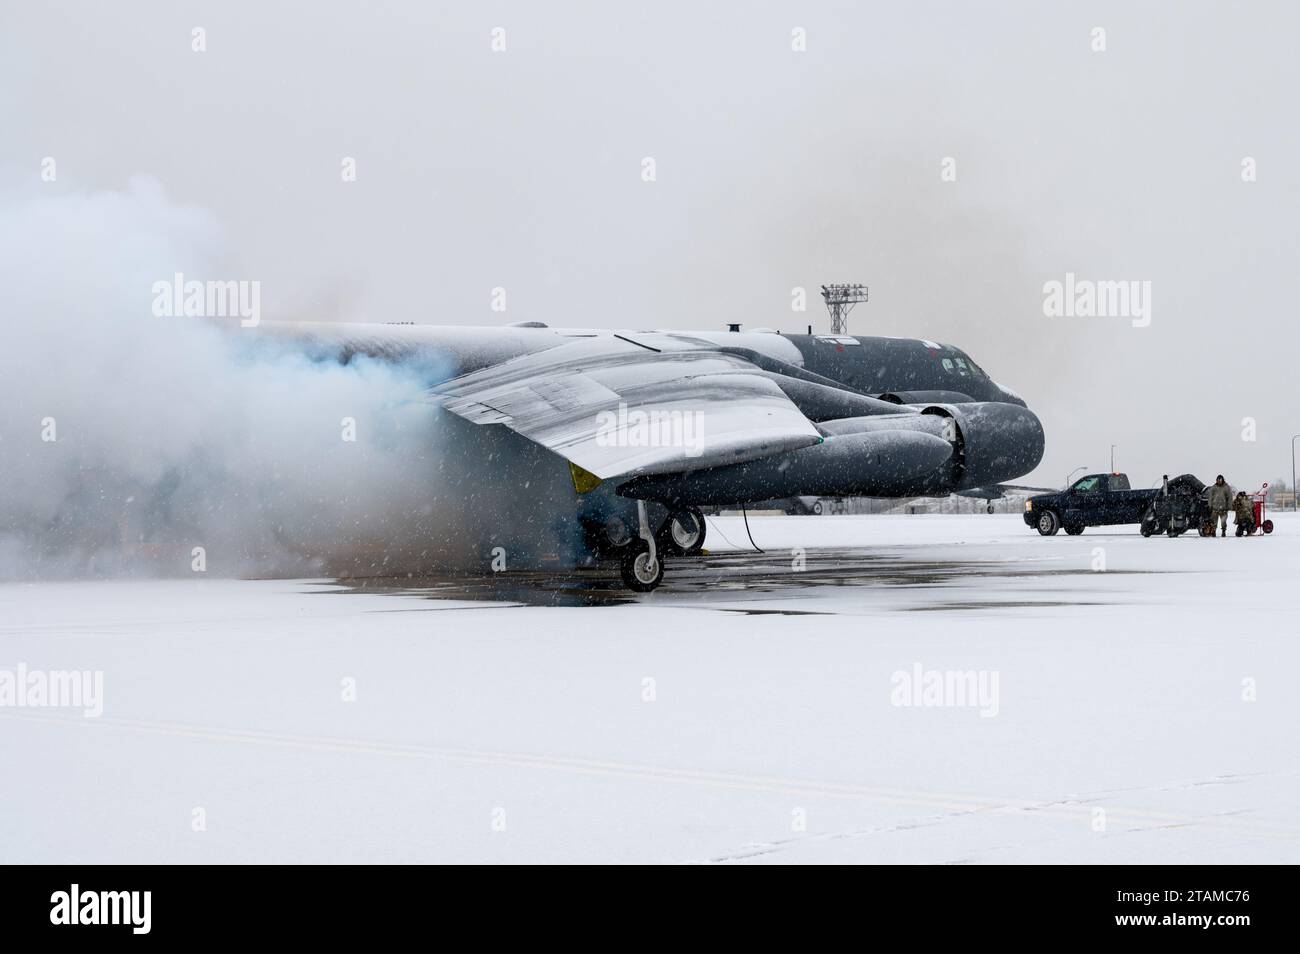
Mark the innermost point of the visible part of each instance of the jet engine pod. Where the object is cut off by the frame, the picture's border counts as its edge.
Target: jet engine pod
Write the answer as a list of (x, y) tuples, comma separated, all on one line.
[(881, 463), (994, 442), (926, 397)]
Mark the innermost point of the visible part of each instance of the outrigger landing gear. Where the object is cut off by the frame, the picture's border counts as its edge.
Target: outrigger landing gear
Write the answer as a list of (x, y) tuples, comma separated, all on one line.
[(641, 566)]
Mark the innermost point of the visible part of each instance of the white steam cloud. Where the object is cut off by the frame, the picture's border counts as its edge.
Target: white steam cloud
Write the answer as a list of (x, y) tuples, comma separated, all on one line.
[(127, 440)]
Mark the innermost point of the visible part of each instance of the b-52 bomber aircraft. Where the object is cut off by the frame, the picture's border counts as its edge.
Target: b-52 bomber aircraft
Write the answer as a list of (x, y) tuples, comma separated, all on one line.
[(655, 424)]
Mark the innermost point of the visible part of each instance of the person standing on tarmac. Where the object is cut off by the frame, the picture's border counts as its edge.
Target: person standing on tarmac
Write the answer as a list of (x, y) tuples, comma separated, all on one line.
[(1220, 501)]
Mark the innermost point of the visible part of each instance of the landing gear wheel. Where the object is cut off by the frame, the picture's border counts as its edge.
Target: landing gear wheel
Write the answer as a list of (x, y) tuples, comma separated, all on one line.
[(683, 531), (1048, 524), (1147, 530), (1206, 529), (617, 533), (639, 573), (1267, 526), (817, 508), (990, 508), (1074, 529)]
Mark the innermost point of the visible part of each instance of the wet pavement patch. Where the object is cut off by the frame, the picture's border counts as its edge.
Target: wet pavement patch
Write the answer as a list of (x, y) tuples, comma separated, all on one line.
[(997, 604), (737, 574), (518, 588)]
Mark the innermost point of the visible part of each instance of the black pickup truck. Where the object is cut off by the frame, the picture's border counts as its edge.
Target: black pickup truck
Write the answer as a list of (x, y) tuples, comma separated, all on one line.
[(1093, 501)]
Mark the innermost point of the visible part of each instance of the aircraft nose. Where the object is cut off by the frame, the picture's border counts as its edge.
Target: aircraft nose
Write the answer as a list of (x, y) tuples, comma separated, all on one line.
[(1009, 396)]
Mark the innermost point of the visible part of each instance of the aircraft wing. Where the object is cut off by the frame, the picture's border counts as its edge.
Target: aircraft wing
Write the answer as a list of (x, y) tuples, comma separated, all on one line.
[(998, 491), (629, 405)]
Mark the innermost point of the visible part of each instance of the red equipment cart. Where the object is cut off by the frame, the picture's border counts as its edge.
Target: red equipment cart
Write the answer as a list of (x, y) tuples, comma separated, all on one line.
[(1261, 520)]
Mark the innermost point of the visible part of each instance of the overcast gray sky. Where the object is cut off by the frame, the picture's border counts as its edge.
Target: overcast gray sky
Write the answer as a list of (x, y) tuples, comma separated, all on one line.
[(775, 168)]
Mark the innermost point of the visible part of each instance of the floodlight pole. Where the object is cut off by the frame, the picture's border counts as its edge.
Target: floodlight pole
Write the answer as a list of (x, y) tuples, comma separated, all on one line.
[(1293, 440), (840, 300)]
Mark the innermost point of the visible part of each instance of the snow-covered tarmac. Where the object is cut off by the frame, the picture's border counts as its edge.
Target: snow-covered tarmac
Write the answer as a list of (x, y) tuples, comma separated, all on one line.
[(1145, 711)]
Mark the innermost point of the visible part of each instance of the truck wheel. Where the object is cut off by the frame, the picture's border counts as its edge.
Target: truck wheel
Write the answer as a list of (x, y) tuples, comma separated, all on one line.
[(1074, 529), (1048, 524), (638, 575)]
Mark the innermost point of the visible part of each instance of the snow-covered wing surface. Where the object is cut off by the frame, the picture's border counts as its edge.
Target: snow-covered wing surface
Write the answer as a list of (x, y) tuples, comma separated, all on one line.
[(998, 491), (626, 405)]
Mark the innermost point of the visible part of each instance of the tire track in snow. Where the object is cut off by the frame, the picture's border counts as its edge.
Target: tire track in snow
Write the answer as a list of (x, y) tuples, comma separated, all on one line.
[(949, 805)]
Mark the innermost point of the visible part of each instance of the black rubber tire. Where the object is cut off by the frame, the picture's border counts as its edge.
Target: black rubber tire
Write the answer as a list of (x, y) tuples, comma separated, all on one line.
[(1206, 529), (1147, 530), (990, 508), (1048, 523), (673, 541), (817, 508), (1074, 530), (633, 570), (616, 533), (1267, 526)]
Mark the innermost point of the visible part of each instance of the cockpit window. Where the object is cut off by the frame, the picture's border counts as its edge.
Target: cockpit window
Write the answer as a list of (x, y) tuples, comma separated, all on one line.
[(956, 362), (966, 363)]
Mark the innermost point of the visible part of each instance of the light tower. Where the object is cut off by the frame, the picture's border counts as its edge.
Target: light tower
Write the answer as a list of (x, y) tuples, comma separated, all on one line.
[(840, 300)]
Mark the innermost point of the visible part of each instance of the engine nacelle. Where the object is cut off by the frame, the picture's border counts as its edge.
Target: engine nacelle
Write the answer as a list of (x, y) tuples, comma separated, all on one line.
[(992, 441), (926, 397), (886, 462), (942, 449)]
